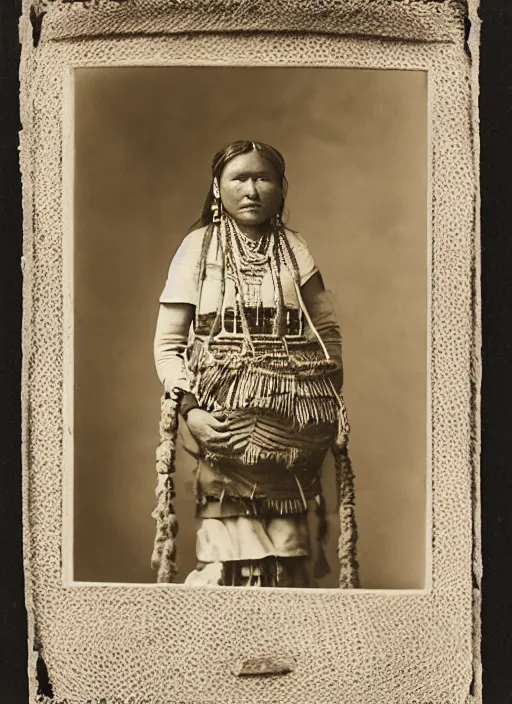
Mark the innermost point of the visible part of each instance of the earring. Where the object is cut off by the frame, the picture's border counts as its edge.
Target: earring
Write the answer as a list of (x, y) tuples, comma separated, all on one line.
[(277, 221), (217, 204)]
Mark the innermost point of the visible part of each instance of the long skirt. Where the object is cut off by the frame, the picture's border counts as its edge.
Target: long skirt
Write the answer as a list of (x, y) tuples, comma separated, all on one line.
[(253, 552), (234, 549)]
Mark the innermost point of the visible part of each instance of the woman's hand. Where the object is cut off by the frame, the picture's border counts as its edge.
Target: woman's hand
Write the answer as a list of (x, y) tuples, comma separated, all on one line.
[(216, 434)]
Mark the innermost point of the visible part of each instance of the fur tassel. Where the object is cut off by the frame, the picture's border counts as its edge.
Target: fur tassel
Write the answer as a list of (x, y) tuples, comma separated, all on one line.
[(347, 544), (163, 559)]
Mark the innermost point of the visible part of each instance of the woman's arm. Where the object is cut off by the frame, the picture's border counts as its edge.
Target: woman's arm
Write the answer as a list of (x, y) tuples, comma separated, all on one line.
[(321, 312), (171, 336)]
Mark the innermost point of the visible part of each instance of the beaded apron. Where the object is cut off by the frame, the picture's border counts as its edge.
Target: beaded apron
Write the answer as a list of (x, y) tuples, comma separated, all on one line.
[(258, 361)]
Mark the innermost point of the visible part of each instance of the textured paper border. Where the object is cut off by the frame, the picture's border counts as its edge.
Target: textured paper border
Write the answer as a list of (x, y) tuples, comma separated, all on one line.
[(168, 645)]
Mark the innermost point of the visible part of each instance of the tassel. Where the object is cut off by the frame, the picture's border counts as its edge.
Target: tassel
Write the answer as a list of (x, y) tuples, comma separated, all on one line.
[(163, 558), (347, 544)]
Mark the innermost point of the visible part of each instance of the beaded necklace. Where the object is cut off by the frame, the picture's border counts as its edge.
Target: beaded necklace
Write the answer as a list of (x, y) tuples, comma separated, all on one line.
[(253, 258)]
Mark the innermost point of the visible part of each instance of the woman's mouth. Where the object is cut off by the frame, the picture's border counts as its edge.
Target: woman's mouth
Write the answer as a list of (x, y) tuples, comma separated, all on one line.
[(251, 206)]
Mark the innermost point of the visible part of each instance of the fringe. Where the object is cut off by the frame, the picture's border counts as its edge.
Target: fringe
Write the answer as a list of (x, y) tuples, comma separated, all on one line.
[(268, 572), (266, 507), (282, 507), (295, 387), (163, 559), (282, 445), (347, 544), (255, 453)]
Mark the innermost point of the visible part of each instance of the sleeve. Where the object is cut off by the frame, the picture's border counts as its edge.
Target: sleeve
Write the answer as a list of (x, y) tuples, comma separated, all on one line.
[(321, 311), (170, 343), (183, 276), (305, 262)]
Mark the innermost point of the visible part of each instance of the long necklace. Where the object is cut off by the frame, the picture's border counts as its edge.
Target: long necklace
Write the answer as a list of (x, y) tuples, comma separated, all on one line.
[(253, 259)]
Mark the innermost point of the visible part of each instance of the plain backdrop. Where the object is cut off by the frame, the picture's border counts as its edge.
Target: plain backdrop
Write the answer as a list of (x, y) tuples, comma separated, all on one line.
[(356, 148)]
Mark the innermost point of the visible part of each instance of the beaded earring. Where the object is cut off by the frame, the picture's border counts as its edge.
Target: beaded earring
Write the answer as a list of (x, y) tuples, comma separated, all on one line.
[(277, 222), (217, 204)]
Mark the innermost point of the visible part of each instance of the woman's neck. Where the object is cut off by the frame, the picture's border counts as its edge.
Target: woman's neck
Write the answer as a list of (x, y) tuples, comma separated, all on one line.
[(253, 232)]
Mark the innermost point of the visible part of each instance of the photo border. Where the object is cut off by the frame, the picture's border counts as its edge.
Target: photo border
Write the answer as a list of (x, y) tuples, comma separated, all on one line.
[(416, 634)]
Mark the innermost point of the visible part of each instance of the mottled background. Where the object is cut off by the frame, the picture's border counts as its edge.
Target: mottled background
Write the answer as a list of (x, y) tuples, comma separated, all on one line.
[(355, 143)]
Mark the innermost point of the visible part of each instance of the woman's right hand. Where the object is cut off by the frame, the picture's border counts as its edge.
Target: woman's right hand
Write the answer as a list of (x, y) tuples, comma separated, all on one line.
[(215, 433)]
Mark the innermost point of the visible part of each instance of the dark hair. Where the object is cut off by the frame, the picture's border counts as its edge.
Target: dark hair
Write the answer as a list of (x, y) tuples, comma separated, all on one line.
[(224, 156)]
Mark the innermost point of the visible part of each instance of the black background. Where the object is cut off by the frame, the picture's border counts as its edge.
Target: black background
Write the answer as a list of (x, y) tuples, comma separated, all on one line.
[(496, 472)]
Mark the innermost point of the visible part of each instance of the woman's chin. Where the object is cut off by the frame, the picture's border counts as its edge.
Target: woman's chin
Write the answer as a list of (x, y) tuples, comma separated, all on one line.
[(250, 218)]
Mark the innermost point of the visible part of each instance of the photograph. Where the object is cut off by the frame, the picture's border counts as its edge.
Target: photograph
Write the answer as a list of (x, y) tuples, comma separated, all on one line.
[(250, 350)]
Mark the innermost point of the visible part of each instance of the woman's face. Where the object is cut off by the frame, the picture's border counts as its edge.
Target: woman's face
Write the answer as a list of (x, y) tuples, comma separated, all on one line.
[(251, 189)]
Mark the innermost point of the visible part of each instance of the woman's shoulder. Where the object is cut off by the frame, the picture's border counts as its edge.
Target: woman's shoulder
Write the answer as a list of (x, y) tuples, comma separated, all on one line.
[(195, 236), (305, 261), (192, 243), (188, 251), (295, 239)]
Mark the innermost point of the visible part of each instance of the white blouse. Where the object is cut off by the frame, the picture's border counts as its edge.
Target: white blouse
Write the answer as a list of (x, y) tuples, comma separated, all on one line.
[(182, 285)]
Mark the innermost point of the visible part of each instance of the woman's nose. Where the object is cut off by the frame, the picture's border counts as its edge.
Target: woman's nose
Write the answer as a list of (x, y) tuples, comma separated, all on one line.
[(250, 189)]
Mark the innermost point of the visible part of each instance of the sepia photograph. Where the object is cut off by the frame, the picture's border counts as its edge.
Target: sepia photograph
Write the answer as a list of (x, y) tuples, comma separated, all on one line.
[(251, 351), (249, 302)]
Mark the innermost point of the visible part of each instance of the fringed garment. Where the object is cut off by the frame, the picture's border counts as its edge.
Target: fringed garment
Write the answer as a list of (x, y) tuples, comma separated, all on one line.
[(254, 353)]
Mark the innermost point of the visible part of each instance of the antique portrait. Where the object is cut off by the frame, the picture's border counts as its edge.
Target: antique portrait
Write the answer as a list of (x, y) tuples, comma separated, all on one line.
[(238, 232), (251, 351)]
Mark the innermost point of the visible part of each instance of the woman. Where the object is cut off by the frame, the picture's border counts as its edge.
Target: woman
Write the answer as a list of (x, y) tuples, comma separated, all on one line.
[(248, 350)]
